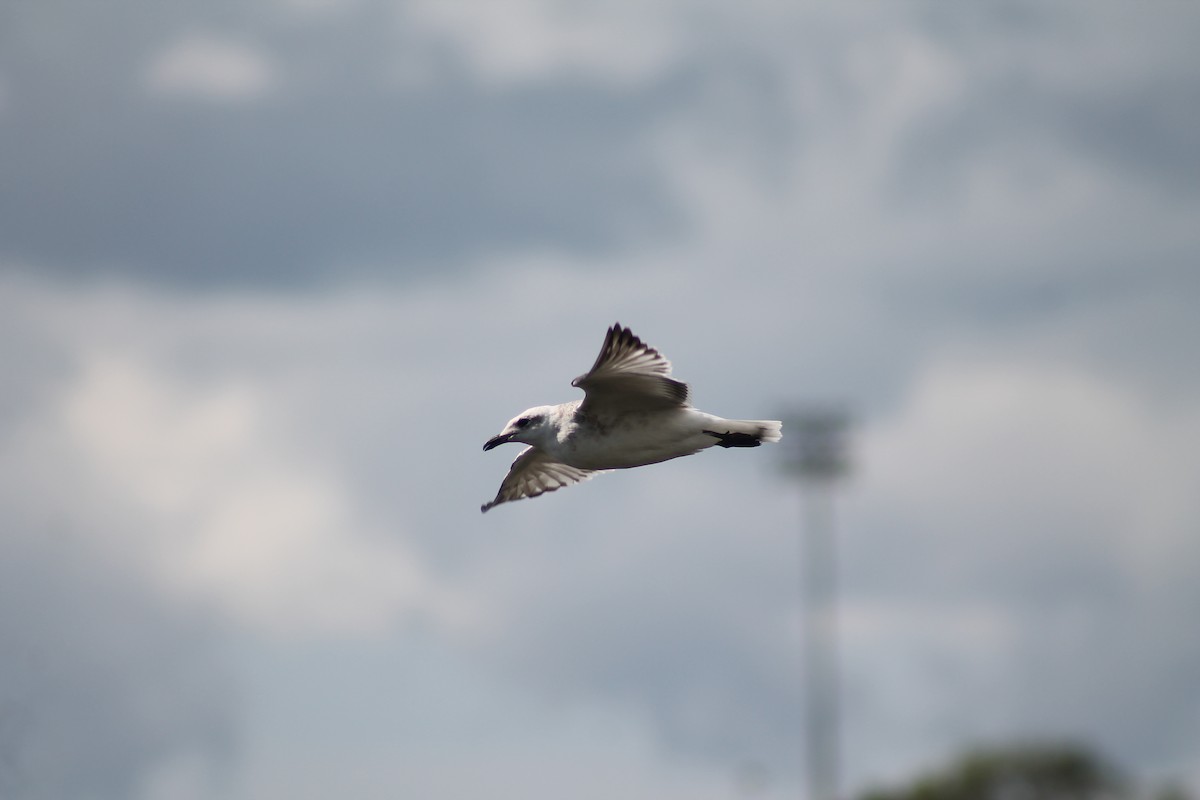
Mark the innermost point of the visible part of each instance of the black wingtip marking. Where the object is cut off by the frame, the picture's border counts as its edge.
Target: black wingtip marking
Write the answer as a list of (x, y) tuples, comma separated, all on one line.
[(619, 335), (618, 338), (735, 439)]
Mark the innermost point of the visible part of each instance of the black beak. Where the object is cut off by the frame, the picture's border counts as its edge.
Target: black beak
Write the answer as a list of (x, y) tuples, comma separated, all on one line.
[(495, 440)]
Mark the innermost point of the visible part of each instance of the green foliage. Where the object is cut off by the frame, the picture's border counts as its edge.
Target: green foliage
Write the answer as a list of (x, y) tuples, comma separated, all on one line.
[(1022, 772), (1172, 792)]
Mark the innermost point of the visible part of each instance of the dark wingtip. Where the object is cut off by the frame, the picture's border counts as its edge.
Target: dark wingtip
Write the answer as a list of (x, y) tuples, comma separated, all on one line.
[(621, 336)]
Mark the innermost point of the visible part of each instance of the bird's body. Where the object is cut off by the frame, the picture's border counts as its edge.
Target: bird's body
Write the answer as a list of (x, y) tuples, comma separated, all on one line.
[(600, 441), (634, 413)]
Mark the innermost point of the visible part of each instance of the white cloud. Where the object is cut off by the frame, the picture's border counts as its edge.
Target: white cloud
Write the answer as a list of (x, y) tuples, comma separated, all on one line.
[(258, 445), (990, 443), (209, 68), (103, 682), (228, 513), (539, 40), (318, 7), (284, 459), (1022, 517)]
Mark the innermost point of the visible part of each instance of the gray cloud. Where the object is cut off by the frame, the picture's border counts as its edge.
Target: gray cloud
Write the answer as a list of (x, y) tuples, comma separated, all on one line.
[(377, 151), (103, 686), (885, 208), (337, 171), (1003, 533), (658, 593)]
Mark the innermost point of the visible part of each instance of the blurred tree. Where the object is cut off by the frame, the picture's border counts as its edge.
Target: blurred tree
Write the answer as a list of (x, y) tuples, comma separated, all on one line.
[(1021, 772), (1172, 792)]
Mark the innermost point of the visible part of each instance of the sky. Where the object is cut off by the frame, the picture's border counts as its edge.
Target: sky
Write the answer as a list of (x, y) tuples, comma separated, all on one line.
[(271, 272)]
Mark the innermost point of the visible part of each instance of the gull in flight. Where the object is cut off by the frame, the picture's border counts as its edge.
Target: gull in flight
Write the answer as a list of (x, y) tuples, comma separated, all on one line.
[(633, 413)]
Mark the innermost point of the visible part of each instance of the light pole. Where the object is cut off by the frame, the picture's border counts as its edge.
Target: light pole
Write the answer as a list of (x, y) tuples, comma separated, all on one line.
[(817, 455)]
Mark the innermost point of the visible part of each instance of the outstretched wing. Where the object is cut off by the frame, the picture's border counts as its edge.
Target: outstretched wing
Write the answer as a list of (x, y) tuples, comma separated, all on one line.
[(533, 473), (629, 375)]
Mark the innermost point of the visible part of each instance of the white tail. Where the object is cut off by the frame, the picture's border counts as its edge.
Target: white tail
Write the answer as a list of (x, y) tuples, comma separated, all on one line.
[(765, 430)]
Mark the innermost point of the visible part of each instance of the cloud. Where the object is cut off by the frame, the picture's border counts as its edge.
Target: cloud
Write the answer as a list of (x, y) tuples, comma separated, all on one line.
[(263, 456), (209, 68), (198, 476), (974, 225), (350, 172), (104, 685), (287, 465), (1023, 519), (227, 514), (625, 44), (1005, 511), (534, 131)]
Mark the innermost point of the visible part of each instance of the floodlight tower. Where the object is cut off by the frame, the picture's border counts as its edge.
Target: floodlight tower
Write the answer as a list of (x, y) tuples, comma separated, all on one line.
[(817, 454)]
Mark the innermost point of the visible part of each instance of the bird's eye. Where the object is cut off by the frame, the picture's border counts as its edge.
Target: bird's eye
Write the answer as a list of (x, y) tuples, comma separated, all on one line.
[(522, 422)]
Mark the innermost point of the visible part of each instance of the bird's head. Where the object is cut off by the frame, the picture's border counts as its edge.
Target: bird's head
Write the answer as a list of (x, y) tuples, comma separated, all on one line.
[(531, 427)]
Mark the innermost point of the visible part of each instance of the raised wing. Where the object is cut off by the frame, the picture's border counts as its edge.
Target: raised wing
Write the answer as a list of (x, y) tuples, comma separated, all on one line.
[(533, 473), (629, 375)]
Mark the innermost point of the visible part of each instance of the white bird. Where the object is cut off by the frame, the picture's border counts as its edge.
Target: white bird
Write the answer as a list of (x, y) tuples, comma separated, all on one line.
[(633, 413)]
